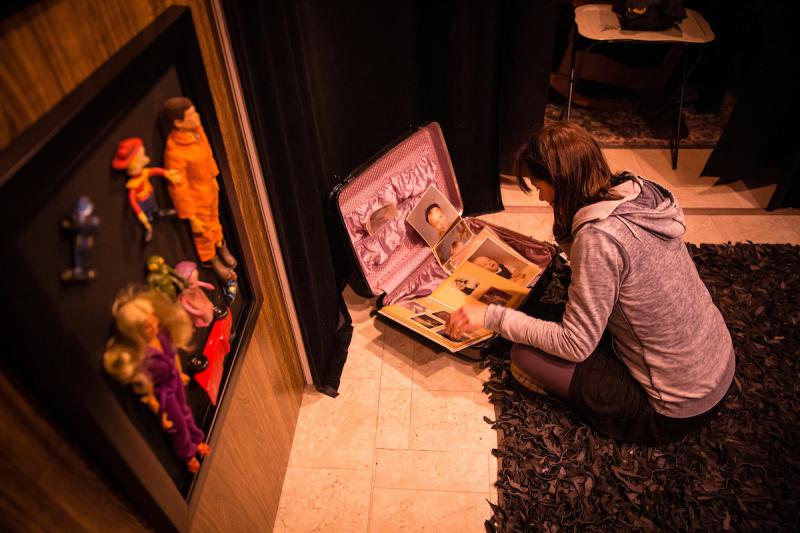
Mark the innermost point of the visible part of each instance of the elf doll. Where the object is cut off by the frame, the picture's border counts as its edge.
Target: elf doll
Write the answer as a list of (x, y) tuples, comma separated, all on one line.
[(131, 158)]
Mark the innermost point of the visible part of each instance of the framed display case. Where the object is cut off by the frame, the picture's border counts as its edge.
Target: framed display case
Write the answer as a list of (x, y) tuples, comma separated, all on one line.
[(56, 331)]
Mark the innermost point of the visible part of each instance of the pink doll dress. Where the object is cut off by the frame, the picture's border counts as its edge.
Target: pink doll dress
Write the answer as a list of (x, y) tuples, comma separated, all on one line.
[(193, 299)]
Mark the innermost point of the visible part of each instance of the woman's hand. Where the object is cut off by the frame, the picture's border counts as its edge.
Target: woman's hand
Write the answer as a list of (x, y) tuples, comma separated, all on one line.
[(466, 319)]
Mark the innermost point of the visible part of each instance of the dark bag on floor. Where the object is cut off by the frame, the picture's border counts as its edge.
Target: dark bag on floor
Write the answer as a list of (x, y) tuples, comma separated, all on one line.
[(653, 15)]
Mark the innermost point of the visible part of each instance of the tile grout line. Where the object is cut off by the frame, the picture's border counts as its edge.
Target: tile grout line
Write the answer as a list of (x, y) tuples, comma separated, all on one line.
[(411, 395), (375, 437), (435, 490), (345, 468)]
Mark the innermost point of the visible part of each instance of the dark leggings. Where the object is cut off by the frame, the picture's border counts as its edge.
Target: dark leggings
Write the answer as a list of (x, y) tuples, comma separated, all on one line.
[(602, 391), (552, 373)]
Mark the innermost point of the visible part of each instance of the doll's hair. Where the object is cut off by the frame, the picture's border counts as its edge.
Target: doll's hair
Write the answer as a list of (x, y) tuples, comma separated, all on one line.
[(174, 109), (124, 351)]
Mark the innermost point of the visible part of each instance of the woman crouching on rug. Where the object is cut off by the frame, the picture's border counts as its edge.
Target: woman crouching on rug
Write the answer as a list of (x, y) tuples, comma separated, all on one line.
[(641, 353)]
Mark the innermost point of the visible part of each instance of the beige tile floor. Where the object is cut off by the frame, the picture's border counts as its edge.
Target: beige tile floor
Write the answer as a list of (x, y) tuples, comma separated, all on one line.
[(404, 447)]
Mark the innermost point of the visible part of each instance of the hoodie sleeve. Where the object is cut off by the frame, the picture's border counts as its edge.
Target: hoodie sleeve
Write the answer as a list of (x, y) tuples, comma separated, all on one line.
[(598, 268)]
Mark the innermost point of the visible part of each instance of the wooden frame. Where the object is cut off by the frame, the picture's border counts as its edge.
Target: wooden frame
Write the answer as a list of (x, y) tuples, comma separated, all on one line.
[(61, 363)]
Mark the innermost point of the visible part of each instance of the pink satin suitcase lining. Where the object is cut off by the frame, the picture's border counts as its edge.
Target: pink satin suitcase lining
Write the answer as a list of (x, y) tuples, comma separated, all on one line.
[(396, 260), (399, 177)]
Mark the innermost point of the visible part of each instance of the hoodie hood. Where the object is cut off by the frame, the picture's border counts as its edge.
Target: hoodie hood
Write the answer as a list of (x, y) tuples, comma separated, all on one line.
[(644, 206)]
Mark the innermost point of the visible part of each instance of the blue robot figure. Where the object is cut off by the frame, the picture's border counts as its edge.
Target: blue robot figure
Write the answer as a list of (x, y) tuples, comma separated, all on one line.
[(80, 225)]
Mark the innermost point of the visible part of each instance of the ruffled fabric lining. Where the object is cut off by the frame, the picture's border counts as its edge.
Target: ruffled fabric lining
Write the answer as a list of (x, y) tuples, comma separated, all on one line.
[(398, 190)]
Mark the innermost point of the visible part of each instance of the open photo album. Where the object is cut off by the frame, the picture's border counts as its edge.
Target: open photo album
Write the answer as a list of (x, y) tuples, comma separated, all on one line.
[(482, 268)]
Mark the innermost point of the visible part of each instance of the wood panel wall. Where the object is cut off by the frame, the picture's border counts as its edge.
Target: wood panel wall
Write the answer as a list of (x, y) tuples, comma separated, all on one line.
[(46, 50)]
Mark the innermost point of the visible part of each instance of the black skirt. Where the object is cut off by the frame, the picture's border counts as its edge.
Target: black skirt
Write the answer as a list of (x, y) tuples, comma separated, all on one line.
[(608, 398)]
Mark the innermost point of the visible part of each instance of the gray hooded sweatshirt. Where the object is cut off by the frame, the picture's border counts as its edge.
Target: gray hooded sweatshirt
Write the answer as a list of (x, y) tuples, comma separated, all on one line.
[(632, 273)]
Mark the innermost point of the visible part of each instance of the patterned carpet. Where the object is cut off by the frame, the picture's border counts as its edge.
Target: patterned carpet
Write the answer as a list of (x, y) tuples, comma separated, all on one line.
[(740, 473), (629, 129)]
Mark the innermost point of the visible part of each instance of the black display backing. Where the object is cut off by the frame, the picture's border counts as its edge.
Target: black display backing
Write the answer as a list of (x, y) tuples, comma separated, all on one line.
[(57, 332)]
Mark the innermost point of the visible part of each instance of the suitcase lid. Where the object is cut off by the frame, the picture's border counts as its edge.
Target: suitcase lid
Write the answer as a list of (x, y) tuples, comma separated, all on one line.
[(397, 176)]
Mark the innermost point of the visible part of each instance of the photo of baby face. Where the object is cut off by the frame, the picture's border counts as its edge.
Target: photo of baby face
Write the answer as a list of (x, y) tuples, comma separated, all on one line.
[(436, 218), (432, 216), (492, 258), (495, 296), (486, 263), (426, 320), (465, 285), (414, 307)]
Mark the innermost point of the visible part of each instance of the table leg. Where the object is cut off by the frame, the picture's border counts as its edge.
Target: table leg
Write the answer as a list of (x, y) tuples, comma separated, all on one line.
[(571, 70), (675, 144)]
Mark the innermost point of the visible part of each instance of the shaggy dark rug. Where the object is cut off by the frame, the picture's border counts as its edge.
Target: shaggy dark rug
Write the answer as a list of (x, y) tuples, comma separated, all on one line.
[(742, 472), (632, 129)]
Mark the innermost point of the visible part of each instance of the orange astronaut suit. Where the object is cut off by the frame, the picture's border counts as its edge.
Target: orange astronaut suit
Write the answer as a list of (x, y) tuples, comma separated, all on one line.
[(197, 194)]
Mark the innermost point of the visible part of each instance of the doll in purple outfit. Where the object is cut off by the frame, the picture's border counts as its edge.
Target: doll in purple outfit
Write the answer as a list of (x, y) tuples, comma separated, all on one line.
[(144, 352)]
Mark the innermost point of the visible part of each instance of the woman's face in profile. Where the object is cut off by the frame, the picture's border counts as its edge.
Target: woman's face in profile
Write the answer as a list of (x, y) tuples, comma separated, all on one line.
[(546, 191)]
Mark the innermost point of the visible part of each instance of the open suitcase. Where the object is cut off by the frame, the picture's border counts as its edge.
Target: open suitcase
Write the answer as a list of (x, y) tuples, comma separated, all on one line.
[(394, 262)]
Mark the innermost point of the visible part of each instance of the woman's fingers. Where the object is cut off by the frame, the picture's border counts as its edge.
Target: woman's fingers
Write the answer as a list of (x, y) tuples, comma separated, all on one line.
[(456, 322)]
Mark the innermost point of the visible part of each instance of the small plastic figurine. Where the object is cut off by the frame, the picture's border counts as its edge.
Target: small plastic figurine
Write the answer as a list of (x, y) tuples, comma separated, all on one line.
[(131, 158), (231, 289), (150, 329), (81, 225), (196, 195), (164, 278), (192, 298)]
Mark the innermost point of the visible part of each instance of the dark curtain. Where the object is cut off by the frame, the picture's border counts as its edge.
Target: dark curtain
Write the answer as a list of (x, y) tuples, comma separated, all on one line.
[(761, 142), (328, 84), (528, 42)]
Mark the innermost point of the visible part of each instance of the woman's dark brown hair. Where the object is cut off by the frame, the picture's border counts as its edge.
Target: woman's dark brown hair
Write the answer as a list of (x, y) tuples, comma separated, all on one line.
[(567, 157)]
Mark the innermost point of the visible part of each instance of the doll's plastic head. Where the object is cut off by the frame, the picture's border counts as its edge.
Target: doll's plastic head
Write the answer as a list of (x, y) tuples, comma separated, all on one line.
[(84, 207), (155, 263), (486, 262), (129, 151), (179, 113)]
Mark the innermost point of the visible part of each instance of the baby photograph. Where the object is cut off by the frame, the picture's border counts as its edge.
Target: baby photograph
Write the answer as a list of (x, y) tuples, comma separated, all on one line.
[(432, 216), (454, 240), (465, 285), (493, 258)]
